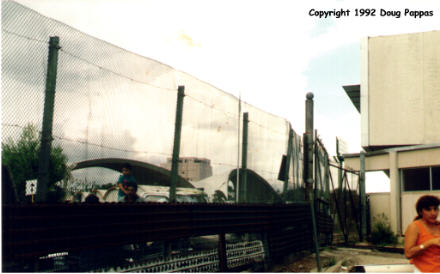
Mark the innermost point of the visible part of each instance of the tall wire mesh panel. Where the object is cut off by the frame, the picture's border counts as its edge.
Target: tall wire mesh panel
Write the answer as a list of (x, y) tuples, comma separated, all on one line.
[(111, 103), (267, 143)]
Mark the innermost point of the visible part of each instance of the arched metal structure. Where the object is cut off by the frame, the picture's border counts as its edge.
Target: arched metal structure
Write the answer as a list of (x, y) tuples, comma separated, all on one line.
[(145, 173), (258, 189)]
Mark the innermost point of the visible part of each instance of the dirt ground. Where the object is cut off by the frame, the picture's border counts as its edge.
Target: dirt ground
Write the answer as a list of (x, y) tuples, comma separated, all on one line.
[(339, 260)]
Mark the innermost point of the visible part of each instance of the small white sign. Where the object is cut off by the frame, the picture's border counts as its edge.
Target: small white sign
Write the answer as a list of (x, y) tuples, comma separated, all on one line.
[(31, 187)]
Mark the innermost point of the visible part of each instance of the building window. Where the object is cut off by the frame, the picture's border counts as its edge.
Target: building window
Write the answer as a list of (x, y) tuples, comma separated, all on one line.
[(421, 179), (436, 177)]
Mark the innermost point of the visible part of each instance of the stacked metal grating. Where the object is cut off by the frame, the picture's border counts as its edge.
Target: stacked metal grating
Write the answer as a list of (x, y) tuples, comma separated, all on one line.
[(239, 254)]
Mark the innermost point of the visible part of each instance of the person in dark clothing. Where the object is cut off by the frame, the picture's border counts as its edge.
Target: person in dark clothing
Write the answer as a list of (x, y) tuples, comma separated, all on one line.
[(125, 178), (131, 194)]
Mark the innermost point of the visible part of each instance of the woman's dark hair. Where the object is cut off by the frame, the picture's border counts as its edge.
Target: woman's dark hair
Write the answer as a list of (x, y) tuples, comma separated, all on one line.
[(92, 199), (425, 202), (127, 166)]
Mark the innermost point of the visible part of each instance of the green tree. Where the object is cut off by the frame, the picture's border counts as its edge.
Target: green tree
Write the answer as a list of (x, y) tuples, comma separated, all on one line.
[(22, 160)]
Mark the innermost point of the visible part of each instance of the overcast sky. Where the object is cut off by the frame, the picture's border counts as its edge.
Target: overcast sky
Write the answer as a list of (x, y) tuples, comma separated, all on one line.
[(271, 52)]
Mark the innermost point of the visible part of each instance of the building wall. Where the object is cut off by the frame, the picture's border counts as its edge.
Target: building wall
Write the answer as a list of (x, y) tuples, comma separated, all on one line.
[(379, 204), (402, 87), (400, 105), (399, 203), (409, 200), (406, 158)]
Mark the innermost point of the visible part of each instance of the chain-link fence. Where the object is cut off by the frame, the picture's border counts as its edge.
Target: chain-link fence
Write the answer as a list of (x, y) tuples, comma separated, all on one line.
[(115, 106), (112, 103)]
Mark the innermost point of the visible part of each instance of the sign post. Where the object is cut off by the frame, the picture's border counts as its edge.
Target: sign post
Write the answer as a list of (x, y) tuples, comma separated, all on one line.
[(31, 188)]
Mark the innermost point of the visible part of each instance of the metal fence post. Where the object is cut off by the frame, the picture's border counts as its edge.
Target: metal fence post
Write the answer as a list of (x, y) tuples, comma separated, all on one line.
[(176, 146), (308, 148), (363, 197), (222, 257), (46, 135), (341, 166), (315, 236), (286, 174), (317, 182), (266, 247), (327, 181), (243, 189), (237, 183)]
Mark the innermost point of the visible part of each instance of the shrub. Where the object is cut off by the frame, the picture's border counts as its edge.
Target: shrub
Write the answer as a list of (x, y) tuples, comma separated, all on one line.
[(381, 233)]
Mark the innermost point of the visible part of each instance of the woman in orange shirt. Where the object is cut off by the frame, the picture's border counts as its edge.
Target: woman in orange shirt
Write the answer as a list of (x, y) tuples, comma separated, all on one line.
[(422, 237)]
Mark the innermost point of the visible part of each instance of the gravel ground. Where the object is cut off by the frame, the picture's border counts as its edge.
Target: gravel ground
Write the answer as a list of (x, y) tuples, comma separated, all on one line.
[(340, 260)]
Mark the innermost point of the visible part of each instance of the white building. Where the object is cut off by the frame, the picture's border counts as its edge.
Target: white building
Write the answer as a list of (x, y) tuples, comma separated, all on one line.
[(399, 102)]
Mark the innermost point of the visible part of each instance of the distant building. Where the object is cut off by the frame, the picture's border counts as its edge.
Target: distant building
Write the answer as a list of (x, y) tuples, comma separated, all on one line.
[(192, 168), (399, 103)]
